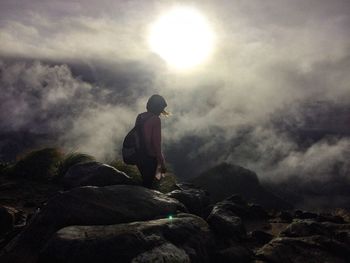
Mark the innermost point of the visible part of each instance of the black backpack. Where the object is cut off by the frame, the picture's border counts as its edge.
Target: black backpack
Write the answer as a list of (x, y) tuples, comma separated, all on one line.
[(133, 145)]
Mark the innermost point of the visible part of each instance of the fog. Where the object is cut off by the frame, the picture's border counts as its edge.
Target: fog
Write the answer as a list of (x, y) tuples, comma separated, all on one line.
[(83, 71)]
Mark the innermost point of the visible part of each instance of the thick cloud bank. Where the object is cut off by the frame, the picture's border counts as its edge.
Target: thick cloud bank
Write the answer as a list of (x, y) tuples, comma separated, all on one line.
[(43, 99), (274, 97)]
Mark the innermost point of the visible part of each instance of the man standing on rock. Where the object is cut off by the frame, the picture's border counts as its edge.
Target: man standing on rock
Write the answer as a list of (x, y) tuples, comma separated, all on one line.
[(151, 157)]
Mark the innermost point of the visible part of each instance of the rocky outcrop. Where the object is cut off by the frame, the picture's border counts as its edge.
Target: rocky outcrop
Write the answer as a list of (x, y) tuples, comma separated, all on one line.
[(309, 241), (225, 180), (195, 199), (184, 238), (305, 250), (242, 209), (323, 217), (124, 223), (88, 206), (94, 174), (303, 228), (225, 223), (227, 217)]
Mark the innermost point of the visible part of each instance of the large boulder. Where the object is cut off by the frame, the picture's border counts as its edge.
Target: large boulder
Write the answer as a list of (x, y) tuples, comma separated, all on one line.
[(226, 179), (195, 199), (225, 223), (228, 217), (88, 206), (225, 218), (239, 207), (183, 238), (95, 174)]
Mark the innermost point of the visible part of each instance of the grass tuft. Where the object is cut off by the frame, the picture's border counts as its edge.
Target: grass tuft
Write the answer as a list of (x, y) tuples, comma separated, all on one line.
[(167, 183), (37, 164)]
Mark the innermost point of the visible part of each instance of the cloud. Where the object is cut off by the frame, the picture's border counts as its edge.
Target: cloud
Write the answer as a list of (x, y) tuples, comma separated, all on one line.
[(319, 162), (274, 61), (45, 99), (32, 96), (69, 39)]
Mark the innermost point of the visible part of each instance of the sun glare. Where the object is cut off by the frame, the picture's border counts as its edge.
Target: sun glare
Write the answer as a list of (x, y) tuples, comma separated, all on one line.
[(182, 37)]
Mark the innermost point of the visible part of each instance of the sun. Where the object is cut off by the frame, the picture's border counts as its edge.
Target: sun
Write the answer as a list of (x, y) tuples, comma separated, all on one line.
[(182, 37)]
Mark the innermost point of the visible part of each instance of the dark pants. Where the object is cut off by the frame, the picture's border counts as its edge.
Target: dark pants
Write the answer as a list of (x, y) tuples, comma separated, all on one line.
[(147, 166)]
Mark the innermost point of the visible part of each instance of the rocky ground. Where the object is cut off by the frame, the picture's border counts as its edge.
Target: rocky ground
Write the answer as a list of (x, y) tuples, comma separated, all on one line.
[(86, 219)]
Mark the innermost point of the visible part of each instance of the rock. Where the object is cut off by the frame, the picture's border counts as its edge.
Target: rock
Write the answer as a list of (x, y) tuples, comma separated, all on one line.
[(305, 215), (225, 180), (261, 237), (330, 218), (323, 217), (285, 217), (11, 223), (228, 216), (88, 206), (237, 254), (226, 223), (304, 228), (164, 253), (6, 220), (309, 241), (257, 212), (20, 218), (30, 204), (196, 200), (182, 239), (311, 249), (95, 174), (343, 213), (237, 199), (242, 209)]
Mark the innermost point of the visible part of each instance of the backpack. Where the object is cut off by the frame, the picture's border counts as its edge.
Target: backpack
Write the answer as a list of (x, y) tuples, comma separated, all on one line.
[(133, 144)]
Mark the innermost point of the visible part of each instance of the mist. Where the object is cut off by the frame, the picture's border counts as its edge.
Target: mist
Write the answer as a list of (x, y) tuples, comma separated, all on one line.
[(279, 75)]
